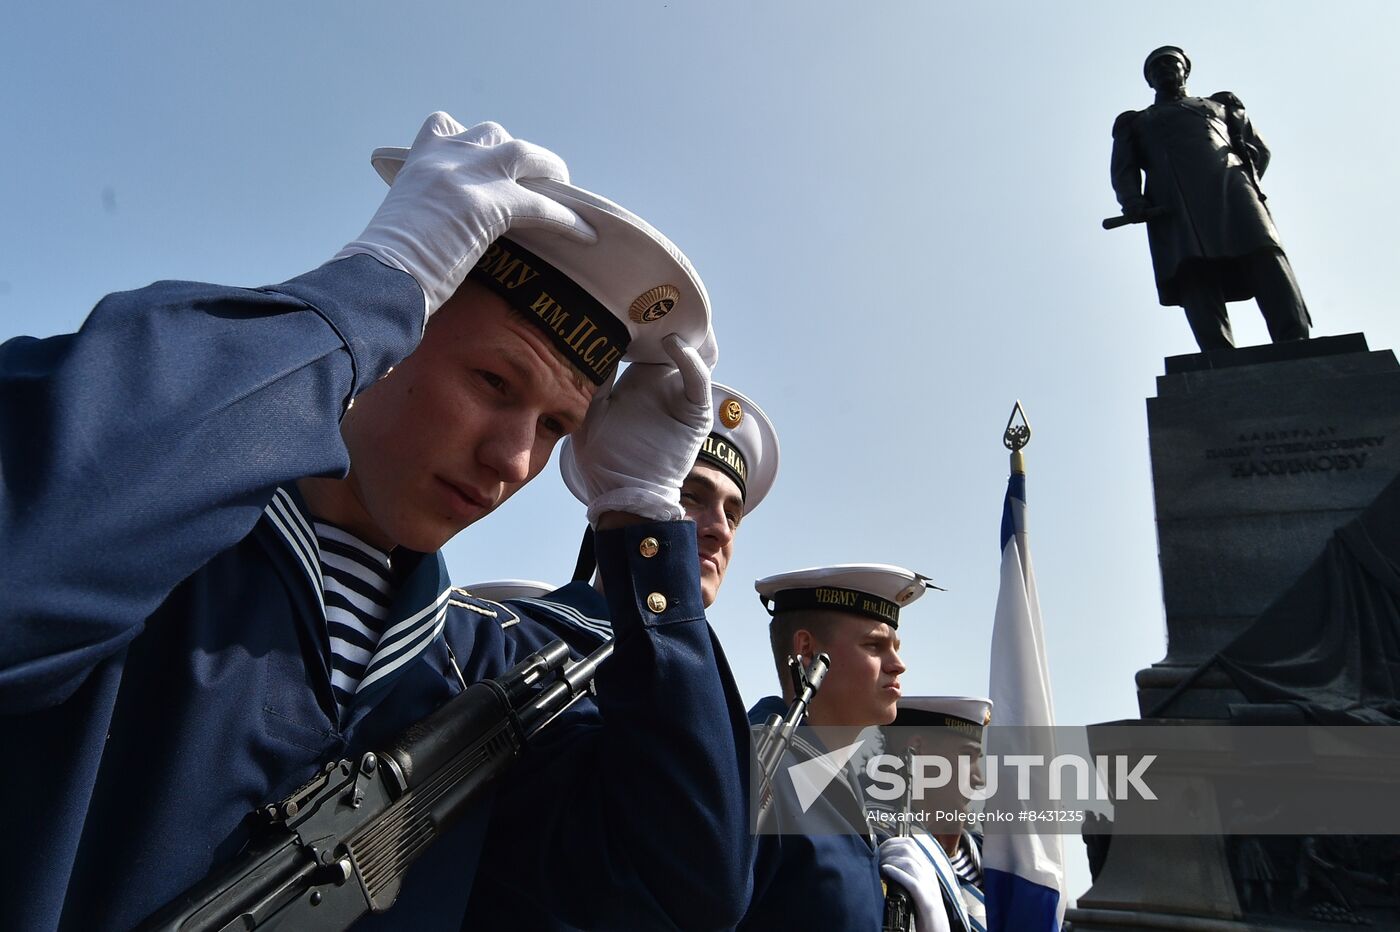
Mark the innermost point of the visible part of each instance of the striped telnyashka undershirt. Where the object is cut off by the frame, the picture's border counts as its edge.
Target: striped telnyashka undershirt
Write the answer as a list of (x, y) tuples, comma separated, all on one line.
[(963, 865), (358, 583)]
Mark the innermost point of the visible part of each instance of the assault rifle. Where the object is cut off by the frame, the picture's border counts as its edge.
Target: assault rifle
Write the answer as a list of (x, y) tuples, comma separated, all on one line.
[(899, 906), (778, 730), (338, 847)]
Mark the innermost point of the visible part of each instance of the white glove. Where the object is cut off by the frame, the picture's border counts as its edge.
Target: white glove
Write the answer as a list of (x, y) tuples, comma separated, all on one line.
[(455, 194), (905, 863), (709, 349), (637, 444)]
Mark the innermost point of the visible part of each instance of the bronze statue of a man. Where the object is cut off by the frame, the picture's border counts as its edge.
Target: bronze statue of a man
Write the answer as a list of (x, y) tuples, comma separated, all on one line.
[(1211, 236)]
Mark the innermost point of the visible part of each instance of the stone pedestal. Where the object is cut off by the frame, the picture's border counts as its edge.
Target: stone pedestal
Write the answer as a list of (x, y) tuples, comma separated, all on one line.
[(1162, 882), (1258, 455), (1172, 877)]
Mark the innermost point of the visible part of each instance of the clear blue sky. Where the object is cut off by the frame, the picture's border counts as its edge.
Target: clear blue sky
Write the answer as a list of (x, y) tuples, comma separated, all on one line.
[(895, 208)]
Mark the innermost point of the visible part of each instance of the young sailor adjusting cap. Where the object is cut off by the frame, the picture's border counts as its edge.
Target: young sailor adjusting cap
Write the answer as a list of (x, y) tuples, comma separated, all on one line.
[(742, 444), (614, 300), (958, 712), (875, 590)]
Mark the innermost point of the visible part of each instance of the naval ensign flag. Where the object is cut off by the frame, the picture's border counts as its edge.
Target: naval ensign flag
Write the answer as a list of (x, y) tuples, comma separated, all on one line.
[(1023, 873)]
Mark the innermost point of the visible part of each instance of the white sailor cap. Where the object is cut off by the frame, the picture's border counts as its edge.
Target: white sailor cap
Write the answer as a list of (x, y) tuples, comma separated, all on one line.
[(742, 444), (498, 590), (944, 711), (614, 300), (876, 590)]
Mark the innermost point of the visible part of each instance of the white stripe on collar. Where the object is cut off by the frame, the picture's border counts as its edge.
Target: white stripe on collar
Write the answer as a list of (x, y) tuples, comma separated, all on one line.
[(947, 877), (572, 616), (399, 644), (413, 644), (406, 628), (296, 531)]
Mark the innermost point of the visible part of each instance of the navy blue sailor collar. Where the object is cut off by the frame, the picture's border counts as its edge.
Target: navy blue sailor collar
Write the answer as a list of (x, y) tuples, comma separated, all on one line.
[(416, 615), (578, 608), (807, 745)]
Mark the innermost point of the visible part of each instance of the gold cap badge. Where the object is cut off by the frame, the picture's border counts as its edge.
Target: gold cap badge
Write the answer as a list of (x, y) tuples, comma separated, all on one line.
[(731, 413), (654, 304)]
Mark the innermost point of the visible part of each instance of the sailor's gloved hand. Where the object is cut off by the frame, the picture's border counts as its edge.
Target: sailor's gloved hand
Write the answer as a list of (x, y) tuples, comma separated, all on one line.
[(639, 442), (456, 192), (902, 861), (709, 349)]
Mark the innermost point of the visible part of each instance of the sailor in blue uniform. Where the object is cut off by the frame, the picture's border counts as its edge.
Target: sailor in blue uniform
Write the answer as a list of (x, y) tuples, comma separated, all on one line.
[(818, 861), (222, 512), (940, 861), (732, 473)]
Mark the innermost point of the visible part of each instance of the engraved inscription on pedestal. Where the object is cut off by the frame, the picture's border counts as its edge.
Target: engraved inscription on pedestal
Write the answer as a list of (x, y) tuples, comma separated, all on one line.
[(1254, 465), (1324, 449)]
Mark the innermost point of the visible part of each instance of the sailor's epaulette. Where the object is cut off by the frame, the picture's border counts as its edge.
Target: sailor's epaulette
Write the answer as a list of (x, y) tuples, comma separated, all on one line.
[(1228, 99), (1124, 123), (497, 611)]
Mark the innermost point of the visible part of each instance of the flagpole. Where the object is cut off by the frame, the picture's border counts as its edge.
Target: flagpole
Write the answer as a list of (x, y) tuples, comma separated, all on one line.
[(1023, 872), (1016, 436)]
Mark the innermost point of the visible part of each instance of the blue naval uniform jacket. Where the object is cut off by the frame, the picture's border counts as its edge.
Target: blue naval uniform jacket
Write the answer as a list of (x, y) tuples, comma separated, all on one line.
[(576, 614), (580, 616), (815, 881), (163, 656)]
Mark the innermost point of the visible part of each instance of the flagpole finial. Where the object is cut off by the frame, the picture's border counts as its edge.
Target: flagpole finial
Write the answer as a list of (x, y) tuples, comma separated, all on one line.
[(1017, 435)]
